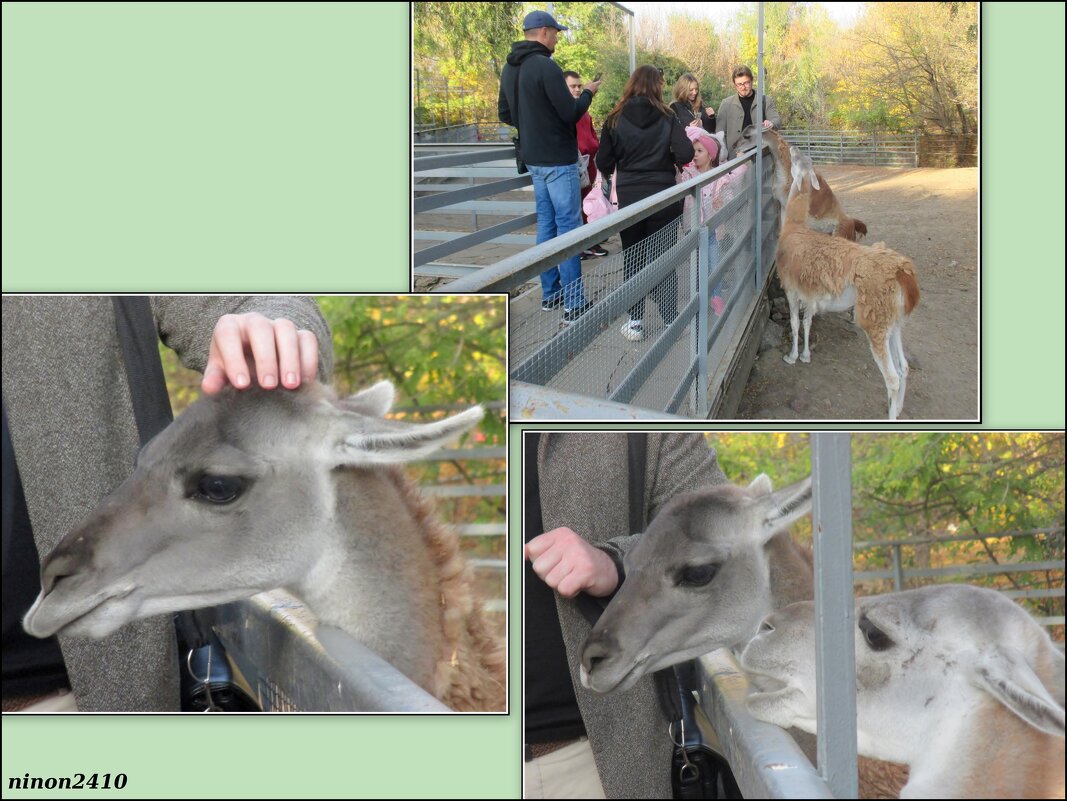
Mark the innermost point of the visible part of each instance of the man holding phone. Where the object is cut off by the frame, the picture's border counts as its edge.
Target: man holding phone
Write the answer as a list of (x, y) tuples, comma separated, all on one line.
[(588, 144), (534, 99)]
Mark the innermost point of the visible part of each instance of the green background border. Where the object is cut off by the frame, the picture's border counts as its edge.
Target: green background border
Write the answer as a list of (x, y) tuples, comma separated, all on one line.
[(237, 147)]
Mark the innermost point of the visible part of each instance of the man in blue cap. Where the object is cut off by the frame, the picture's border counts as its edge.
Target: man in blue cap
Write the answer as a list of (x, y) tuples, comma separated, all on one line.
[(535, 99)]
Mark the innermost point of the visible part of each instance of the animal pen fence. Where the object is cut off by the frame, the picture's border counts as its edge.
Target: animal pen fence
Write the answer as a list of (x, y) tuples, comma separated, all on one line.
[(700, 280), (282, 661)]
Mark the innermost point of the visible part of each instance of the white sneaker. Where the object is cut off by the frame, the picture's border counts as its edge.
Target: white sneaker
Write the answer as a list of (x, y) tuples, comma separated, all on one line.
[(632, 331)]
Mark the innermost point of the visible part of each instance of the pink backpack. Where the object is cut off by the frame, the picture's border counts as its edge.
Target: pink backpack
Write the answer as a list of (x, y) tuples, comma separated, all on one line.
[(597, 203)]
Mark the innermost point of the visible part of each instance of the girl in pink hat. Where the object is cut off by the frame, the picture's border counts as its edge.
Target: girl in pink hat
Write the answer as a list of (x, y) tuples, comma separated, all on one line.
[(706, 150)]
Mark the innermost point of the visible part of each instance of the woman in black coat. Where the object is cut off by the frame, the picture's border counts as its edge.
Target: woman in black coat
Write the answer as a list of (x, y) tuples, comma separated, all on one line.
[(689, 106), (643, 143)]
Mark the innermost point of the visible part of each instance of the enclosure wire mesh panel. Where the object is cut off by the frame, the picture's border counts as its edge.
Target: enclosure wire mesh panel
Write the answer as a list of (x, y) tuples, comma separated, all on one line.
[(653, 283)]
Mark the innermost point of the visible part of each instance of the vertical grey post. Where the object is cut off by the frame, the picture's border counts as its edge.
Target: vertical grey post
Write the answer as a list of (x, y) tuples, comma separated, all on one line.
[(704, 301), (835, 672), (633, 44), (758, 231), (898, 570)]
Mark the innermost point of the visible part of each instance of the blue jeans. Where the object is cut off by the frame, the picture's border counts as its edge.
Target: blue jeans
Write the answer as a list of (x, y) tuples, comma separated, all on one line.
[(557, 196)]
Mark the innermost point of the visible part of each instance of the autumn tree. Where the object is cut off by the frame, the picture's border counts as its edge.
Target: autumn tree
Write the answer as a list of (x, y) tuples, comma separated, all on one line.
[(913, 64)]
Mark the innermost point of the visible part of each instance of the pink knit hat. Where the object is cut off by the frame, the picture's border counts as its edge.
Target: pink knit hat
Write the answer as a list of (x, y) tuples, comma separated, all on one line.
[(710, 142)]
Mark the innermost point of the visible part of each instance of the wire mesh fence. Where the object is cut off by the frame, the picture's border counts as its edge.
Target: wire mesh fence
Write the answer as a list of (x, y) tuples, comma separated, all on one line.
[(656, 305)]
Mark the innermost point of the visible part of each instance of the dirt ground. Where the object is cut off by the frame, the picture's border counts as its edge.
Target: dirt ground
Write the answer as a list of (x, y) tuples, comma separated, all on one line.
[(930, 215)]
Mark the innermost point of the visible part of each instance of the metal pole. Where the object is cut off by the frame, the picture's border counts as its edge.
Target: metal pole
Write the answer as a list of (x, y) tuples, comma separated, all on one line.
[(758, 116), (898, 570), (703, 276), (633, 44), (835, 664)]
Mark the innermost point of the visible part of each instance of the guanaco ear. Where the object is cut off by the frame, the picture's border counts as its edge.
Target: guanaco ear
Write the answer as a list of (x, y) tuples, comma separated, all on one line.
[(779, 510), (372, 402), (1008, 677), (390, 442)]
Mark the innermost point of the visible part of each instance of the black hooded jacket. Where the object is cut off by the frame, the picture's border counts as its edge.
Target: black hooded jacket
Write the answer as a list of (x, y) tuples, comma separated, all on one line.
[(547, 112), (645, 144)]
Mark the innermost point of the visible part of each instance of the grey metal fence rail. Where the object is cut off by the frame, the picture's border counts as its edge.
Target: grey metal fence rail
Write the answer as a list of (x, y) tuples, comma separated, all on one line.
[(680, 370), (901, 574), (857, 147), (466, 182)]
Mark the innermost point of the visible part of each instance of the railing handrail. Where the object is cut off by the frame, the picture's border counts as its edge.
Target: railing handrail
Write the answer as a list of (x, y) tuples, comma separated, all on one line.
[(523, 266)]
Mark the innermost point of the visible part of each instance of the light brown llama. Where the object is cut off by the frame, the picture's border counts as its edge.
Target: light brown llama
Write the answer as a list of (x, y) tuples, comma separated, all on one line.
[(255, 490), (824, 211), (822, 273)]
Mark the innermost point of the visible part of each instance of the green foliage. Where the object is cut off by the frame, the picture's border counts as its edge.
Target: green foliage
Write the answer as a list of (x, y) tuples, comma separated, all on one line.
[(902, 66), (468, 37), (938, 485)]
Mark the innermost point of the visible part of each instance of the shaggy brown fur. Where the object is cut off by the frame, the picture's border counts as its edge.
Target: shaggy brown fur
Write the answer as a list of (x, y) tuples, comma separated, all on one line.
[(471, 672), (825, 212)]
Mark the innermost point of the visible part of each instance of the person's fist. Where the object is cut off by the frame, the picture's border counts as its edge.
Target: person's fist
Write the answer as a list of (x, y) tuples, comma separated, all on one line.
[(568, 564)]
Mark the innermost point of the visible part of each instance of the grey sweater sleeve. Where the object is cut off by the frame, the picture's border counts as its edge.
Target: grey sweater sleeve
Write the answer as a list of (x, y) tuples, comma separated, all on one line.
[(677, 462), (185, 323)]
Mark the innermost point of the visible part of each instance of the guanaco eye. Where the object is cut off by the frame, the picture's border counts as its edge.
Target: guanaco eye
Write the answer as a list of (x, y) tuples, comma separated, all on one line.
[(697, 575), (219, 489), (877, 639)]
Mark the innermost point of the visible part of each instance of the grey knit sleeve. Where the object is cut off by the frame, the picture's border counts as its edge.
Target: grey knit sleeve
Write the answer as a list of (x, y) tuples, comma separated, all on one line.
[(186, 322)]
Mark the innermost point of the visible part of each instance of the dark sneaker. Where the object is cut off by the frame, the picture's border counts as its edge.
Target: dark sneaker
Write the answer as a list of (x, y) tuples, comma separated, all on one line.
[(597, 250), (586, 254), (570, 315), (552, 303)]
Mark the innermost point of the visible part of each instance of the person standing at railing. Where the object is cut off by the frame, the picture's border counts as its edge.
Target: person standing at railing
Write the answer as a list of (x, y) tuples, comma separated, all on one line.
[(588, 144), (645, 142), (689, 106), (735, 111), (576, 520), (534, 98)]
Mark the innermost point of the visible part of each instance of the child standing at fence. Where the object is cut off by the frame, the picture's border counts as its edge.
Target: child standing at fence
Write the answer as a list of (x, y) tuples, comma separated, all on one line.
[(706, 150)]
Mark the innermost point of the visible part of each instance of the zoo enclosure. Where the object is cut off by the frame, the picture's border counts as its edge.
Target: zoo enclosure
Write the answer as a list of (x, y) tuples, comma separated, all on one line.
[(683, 368), (286, 666)]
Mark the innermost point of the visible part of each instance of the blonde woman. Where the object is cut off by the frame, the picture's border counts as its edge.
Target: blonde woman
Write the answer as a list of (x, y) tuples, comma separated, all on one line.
[(689, 106)]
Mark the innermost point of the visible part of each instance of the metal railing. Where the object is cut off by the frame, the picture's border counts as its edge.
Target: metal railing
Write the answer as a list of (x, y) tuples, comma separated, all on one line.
[(465, 183), (857, 147), (681, 370), (900, 574)]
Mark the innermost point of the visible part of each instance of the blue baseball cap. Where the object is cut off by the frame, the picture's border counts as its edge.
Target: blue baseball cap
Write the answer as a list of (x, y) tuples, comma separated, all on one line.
[(540, 19)]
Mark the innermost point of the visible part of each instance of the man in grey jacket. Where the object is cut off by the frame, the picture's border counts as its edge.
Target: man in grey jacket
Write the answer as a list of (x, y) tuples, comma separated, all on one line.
[(736, 111), (578, 485), (67, 402)]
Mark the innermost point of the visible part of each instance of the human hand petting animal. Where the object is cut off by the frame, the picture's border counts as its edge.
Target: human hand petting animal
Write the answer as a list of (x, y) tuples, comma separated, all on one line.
[(280, 352), (568, 564)]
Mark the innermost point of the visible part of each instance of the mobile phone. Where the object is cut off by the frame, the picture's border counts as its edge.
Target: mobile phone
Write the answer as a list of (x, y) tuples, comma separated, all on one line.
[(597, 77)]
